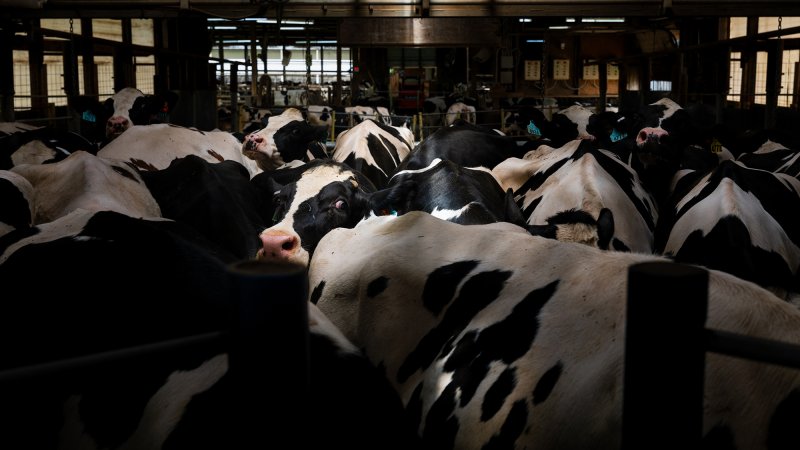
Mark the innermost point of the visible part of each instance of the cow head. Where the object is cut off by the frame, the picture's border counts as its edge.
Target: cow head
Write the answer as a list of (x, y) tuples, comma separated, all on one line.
[(126, 108), (318, 197), (286, 137)]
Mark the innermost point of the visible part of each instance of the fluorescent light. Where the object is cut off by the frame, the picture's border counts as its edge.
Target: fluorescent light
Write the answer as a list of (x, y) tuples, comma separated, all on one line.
[(218, 27), (570, 19), (293, 28), (558, 27), (525, 20), (603, 19), (316, 42), (535, 41)]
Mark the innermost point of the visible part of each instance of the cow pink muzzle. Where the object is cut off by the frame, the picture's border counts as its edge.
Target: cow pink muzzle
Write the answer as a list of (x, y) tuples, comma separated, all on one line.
[(650, 134), (278, 246)]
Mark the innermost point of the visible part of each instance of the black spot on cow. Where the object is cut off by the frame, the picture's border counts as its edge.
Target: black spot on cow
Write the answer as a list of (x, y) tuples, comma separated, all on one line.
[(784, 434), (377, 286), (497, 394), (316, 294), (619, 246), (15, 211), (719, 437), (441, 285), (504, 341), (441, 425), (512, 428), (124, 173), (546, 383), (478, 292)]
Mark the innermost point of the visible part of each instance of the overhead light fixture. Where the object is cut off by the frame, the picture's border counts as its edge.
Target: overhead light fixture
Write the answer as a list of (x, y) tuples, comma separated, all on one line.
[(221, 27), (525, 20), (570, 19), (292, 28), (535, 41), (603, 20), (320, 42), (558, 27)]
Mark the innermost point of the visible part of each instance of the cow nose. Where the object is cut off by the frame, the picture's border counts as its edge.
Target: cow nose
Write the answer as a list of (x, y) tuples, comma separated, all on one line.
[(278, 247), (252, 141), (117, 123), (650, 135)]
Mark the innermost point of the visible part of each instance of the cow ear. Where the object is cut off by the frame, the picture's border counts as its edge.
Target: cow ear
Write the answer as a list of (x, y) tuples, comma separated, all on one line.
[(546, 231), (395, 200)]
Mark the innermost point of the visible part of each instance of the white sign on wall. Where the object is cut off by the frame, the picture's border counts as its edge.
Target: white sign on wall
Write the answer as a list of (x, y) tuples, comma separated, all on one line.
[(612, 72), (533, 70), (561, 69), (591, 72)]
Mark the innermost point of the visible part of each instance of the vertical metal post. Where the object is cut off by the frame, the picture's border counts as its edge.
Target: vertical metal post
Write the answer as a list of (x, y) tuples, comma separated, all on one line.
[(234, 97), (664, 356), (269, 352)]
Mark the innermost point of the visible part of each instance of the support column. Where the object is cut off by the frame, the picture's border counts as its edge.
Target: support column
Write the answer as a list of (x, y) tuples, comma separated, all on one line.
[(6, 74), (773, 88)]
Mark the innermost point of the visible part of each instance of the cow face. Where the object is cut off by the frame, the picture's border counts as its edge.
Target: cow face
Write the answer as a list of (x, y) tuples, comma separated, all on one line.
[(271, 149), (326, 195), (126, 108)]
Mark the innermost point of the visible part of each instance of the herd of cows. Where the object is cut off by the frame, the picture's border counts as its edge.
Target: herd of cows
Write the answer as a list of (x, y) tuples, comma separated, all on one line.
[(467, 291)]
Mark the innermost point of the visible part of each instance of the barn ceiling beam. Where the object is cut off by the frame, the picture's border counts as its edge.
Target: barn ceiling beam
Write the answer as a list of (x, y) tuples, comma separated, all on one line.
[(403, 8)]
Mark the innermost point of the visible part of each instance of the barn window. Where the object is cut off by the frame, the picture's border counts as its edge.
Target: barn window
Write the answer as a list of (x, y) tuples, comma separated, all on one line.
[(735, 83), (110, 29), (766, 24), (22, 80), (761, 78), (105, 76), (737, 27), (145, 71), (55, 79), (791, 59)]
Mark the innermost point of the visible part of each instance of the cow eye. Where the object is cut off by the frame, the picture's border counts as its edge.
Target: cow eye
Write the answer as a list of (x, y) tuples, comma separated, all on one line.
[(340, 204)]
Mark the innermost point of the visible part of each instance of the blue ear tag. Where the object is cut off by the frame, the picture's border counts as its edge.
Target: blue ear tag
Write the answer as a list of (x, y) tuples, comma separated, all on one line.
[(88, 116), (534, 130), (616, 136)]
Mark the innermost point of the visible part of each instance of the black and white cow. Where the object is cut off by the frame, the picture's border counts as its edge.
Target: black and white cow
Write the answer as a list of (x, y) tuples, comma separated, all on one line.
[(739, 220), (154, 147), (286, 137), (374, 149), (451, 192), (467, 145), (309, 201), (38, 145), (127, 107), (497, 339), (774, 157), (581, 193)]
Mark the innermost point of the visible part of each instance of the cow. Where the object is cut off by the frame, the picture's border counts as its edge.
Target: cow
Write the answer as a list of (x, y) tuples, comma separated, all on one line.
[(467, 145), (661, 132), (309, 201), (285, 138), (460, 110), (154, 147), (87, 182), (495, 338), (451, 192), (127, 107), (739, 220), (374, 149), (216, 199), (581, 193), (38, 145), (774, 157)]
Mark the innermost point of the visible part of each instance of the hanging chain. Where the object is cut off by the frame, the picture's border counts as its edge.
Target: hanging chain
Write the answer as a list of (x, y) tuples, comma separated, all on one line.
[(780, 25), (70, 25)]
